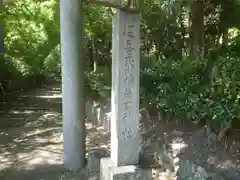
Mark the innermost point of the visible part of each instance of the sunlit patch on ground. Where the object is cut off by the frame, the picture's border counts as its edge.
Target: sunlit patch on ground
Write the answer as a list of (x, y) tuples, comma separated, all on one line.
[(178, 146), (54, 96), (33, 148), (21, 112)]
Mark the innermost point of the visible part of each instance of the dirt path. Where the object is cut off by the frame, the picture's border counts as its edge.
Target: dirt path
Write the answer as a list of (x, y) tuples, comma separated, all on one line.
[(31, 148), (30, 127)]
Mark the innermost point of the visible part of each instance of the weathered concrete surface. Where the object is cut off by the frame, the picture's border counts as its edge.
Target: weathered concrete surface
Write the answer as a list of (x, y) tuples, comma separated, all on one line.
[(72, 84), (94, 158), (109, 171)]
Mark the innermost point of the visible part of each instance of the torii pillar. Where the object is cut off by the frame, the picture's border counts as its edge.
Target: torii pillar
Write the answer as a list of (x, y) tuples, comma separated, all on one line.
[(71, 24)]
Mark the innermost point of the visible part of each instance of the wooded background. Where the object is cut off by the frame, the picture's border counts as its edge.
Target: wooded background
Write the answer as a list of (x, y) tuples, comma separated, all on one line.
[(190, 54)]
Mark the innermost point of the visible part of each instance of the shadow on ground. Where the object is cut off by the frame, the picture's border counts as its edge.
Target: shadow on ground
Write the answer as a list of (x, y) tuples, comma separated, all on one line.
[(18, 109), (30, 129), (198, 145), (38, 172), (31, 147)]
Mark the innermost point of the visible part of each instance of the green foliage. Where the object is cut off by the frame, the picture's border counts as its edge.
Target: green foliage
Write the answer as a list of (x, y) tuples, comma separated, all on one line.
[(195, 90), (32, 35), (169, 80), (98, 84), (187, 89)]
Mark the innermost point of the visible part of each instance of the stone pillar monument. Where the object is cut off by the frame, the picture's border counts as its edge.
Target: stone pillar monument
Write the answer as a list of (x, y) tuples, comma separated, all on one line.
[(73, 101), (125, 136)]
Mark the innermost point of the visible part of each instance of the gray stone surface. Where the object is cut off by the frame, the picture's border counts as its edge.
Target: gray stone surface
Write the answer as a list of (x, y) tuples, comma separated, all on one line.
[(73, 100), (124, 115), (107, 121), (89, 111), (111, 172), (125, 136), (102, 111), (107, 105), (94, 157), (100, 115), (153, 155), (95, 106), (190, 171)]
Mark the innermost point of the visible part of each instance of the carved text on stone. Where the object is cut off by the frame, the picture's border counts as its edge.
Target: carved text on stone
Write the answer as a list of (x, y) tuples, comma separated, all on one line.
[(128, 80)]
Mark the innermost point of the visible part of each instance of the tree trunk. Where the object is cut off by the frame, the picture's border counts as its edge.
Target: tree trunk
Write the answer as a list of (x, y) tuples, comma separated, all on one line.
[(3, 69), (94, 55), (1, 29), (225, 37), (196, 49)]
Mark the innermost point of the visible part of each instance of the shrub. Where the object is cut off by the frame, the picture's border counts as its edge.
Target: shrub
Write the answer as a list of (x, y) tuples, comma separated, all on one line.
[(187, 89), (195, 90)]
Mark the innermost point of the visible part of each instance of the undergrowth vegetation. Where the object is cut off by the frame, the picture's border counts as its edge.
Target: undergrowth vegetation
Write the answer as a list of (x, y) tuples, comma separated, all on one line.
[(188, 89)]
